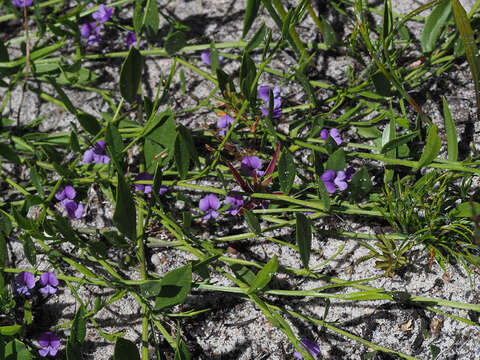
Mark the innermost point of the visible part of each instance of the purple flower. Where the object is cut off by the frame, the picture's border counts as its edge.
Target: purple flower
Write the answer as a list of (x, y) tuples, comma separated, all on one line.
[(24, 282), (74, 210), (22, 3), (209, 204), (132, 39), (330, 180), (333, 133), (49, 282), (67, 193), (102, 14), (163, 190), (236, 203), (349, 173), (50, 343), (263, 93), (97, 154), (147, 189), (206, 57), (308, 346), (224, 122), (91, 32), (251, 164)]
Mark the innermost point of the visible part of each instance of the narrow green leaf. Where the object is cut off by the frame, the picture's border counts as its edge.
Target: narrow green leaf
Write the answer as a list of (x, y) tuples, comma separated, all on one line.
[(189, 143), (286, 171), (10, 330), (175, 287), (182, 156), (264, 276), (286, 24), (63, 97), (465, 210), (252, 221), (152, 19), (329, 35), (29, 250), (304, 238), (471, 49), (3, 249), (151, 288), (251, 12), (181, 351), (432, 147), (124, 217), (382, 84), (225, 83), (131, 74), (398, 141), (214, 59), (248, 72), (7, 152), (73, 350), (323, 194), (452, 141), (434, 25), (256, 39), (89, 123), (243, 274), (125, 350), (81, 268), (174, 42), (78, 330), (336, 161), (114, 144), (435, 350), (138, 12)]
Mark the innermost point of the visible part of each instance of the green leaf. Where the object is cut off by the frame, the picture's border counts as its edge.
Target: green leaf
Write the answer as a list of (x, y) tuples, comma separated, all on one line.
[(286, 171), (73, 350), (323, 194), (152, 20), (434, 25), (124, 217), (151, 288), (264, 275), (471, 49), (5, 223), (435, 350), (286, 24), (452, 142), (336, 161), (138, 12), (125, 350), (181, 351), (248, 73), (78, 330), (432, 148), (251, 12), (156, 121), (189, 143), (360, 185), (131, 74), (225, 83), (114, 144), (369, 132), (214, 59), (10, 330), (252, 221), (465, 210), (3, 250), (89, 123), (16, 350), (174, 42), (256, 39), (175, 287), (329, 35), (304, 238), (29, 250), (160, 141), (398, 141), (63, 97), (243, 273), (7, 152), (182, 156), (382, 84)]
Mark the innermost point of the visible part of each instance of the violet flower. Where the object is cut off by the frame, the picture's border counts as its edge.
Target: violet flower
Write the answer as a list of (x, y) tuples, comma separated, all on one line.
[(103, 13), (66, 196), (236, 203), (132, 39), (147, 189), (207, 59), (97, 154), (50, 344), (67, 193), (24, 282), (49, 282), (334, 134), (330, 180), (22, 3), (308, 346), (209, 205), (349, 173), (91, 32), (251, 164), (263, 93), (223, 123)]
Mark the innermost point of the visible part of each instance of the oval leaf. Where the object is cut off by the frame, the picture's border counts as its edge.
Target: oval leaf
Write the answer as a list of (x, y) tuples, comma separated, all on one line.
[(264, 275), (125, 350), (286, 171), (304, 238), (131, 74), (175, 287)]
